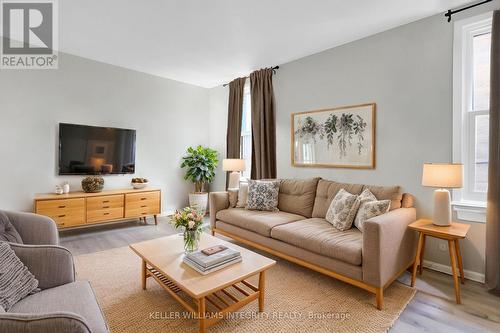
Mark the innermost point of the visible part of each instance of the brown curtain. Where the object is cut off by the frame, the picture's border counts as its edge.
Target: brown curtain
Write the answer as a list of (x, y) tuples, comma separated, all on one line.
[(235, 109), (493, 215), (263, 124)]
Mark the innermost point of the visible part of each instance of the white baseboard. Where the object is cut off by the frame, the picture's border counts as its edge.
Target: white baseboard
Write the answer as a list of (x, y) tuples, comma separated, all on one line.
[(470, 275)]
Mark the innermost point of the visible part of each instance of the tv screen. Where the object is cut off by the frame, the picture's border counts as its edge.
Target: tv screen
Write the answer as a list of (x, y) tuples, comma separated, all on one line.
[(91, 150)]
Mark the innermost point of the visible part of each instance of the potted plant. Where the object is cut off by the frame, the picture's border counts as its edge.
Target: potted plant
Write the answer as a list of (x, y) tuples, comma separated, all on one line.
[(200, 164)]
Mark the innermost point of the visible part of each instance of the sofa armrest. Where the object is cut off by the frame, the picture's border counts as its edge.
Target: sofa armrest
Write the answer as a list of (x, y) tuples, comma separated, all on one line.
[(51, 265), (388, 245), (34, 229), (43, 323), (218, 201)]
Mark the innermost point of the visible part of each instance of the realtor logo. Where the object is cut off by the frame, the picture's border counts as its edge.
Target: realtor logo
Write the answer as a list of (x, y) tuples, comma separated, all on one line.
[(29, 34)]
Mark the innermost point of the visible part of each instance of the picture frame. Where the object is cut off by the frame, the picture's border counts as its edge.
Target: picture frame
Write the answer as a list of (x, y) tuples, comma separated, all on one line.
[(339, 137)]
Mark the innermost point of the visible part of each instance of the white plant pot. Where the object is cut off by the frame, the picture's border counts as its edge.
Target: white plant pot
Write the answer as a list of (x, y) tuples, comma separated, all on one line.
[(199, 201)]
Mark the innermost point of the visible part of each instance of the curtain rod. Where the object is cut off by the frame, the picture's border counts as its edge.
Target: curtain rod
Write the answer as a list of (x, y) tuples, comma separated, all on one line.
[(274, 71), (451, 12)]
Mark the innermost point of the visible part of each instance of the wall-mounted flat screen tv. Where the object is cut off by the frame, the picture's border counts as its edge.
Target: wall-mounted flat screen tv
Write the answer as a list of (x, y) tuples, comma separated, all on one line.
[(91, 150)]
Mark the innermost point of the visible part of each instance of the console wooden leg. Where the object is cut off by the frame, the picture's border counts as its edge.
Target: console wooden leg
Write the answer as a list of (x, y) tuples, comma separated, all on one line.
[(417, 259), (453, 262), (380, 298), (156, 219)]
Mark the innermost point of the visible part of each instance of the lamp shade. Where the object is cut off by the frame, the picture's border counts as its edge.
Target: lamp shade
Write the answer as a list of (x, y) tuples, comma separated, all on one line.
[(233, 164), (442, 175)]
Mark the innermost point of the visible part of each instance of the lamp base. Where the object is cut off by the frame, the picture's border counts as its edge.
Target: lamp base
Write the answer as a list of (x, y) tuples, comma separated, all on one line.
[(442, 208), (234, 180)]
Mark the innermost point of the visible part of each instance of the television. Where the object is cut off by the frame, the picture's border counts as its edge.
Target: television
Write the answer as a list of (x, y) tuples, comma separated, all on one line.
[(92, 150)]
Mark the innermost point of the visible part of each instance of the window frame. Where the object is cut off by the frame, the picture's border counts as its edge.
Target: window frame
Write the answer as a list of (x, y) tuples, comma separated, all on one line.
[(247, 97), (469, 204)]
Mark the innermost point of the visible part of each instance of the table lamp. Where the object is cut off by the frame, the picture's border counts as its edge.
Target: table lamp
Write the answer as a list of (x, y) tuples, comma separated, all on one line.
[(235, 165), (442, 176)]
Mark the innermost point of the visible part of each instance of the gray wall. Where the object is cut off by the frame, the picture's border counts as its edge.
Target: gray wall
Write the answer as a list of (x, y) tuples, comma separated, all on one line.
[(407, 72), (168, 117)]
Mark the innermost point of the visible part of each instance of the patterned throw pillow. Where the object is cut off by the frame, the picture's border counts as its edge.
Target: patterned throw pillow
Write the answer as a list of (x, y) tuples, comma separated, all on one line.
[(263, 195), (342, 210), (16, 281), (369, 207)]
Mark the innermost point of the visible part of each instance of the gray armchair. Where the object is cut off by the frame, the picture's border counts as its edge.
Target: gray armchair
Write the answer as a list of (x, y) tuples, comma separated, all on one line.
[(63, 304)]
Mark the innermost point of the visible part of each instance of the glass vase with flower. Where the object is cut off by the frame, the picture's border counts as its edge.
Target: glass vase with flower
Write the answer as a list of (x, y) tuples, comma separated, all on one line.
[(191, 221)]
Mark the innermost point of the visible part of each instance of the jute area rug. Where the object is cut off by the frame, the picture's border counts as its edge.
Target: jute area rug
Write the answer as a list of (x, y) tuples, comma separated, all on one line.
[(297, 300)]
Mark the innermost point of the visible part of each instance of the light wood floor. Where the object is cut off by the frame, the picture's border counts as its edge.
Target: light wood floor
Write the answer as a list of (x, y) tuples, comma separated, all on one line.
[(433, 309)]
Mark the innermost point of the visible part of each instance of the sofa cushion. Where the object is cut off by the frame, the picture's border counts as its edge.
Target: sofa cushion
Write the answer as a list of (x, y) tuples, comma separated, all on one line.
[(257, 221), (77, 297), (318, 236), (242, 195), (387, 193), (325, 193), (297, 196)]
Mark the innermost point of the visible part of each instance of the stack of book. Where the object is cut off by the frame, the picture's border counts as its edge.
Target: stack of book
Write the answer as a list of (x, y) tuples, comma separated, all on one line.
[(206, 263)]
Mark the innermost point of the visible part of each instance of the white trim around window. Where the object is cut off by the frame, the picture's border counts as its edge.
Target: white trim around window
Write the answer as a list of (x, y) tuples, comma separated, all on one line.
[(468, 202)]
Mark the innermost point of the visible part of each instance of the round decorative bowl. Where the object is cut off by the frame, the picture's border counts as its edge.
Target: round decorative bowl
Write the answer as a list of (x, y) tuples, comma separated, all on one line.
[(92, 184), (138, 186)]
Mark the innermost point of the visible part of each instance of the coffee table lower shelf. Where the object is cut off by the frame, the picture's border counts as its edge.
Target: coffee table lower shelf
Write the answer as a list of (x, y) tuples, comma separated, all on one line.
[(211, 308)]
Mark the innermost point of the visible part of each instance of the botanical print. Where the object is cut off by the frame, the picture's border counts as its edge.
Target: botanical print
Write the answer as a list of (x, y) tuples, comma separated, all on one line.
[(334, 137)]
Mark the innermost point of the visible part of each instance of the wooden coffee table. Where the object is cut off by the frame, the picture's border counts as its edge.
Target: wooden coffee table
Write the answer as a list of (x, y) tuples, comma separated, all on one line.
[(207, 298)]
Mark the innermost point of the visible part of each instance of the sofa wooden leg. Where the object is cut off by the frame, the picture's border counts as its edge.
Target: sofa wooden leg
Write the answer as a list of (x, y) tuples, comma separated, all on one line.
[(380, 298), (212, 231)]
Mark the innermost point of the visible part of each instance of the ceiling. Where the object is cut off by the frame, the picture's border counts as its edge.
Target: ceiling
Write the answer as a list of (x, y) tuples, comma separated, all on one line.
[(208, 43)]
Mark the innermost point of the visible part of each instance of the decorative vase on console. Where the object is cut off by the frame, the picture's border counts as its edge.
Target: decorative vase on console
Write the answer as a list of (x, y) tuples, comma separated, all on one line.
[(191, 220), (92, 184)]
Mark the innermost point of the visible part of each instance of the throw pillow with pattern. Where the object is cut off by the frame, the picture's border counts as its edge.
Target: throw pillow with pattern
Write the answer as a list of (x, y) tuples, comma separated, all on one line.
[(370, 207), (263, 195), (342, 210)]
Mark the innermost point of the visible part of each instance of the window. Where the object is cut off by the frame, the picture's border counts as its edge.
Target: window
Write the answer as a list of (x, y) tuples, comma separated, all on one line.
[(471, 90), (246, 131)]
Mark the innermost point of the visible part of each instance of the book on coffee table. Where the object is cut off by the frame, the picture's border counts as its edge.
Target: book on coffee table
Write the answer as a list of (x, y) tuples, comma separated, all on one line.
[(205, 271), (209, 261)]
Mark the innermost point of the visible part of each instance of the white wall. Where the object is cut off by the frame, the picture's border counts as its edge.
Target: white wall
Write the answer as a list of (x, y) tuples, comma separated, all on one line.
[(407, 72), (168, 116)]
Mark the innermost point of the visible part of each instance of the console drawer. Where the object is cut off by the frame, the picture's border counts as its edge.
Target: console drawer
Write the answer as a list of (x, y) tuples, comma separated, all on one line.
[(105, 202), (65, 212), (143, 196), (104, 214)]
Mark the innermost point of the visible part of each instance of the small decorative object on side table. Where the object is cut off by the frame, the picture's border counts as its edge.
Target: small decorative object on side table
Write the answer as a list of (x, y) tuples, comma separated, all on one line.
[(452, 234), (192, 221)]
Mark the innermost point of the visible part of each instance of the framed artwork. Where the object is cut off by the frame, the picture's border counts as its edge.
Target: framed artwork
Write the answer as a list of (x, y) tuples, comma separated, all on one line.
[(341, 137)]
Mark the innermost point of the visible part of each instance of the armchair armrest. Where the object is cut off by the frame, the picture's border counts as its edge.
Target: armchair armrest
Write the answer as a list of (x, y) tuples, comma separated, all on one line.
[(34, 229), (43, 323), (217, 201), (388, 245), (52, 265)]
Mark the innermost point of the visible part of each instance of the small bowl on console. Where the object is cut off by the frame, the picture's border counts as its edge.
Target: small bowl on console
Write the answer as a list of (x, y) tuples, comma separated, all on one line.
[(139, 183)]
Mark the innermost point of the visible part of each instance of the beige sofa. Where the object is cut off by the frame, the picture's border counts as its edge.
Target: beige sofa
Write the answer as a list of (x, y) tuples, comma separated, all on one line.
[(371, 259)]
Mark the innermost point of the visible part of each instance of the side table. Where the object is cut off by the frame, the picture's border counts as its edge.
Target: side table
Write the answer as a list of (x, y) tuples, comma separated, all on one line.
[(452, 234)]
